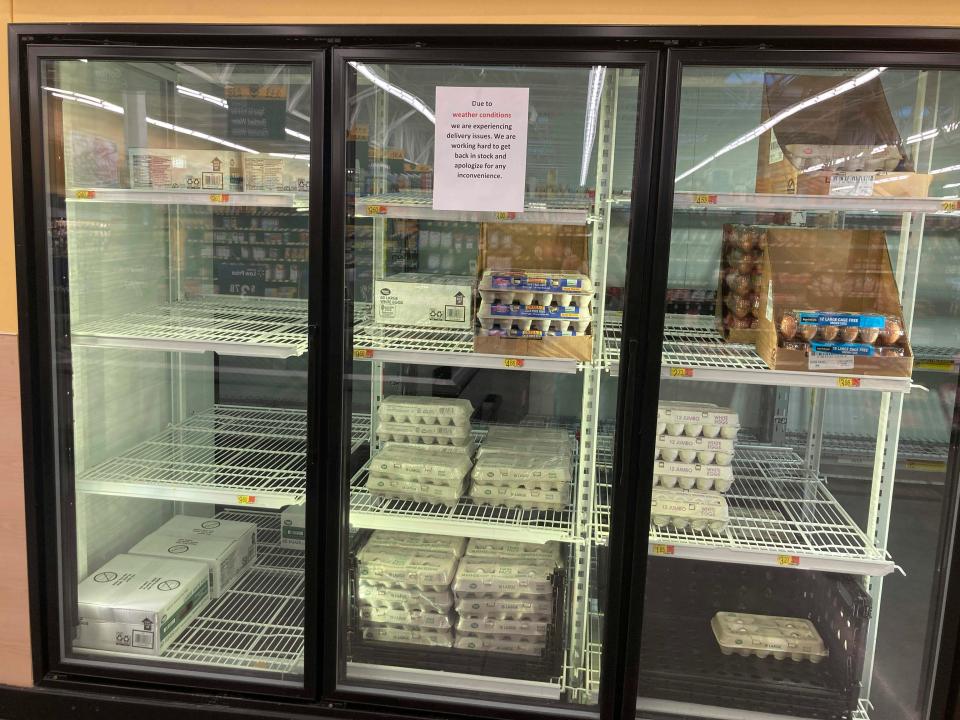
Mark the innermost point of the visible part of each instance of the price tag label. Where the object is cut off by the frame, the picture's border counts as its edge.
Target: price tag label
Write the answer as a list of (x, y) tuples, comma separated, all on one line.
[(219, 198), (376, 209), (362, 354), (664, 549), (513, 362), (501, 215), (939, 365), (704, 199), (246, 499), (926, 465), (680, 372), (848, 382), (86, 194), (949, 206), (788, 560)]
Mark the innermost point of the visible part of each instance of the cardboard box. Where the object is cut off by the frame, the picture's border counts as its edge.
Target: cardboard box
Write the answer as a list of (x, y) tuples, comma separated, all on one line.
[(828, 270), (225, 557), (138, 604), (293, 522), (262, 173), (172, 169), (424, 300), (841, 143)]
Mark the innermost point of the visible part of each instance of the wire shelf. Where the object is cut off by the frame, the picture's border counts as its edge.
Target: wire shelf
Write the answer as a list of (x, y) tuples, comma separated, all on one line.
[(233, 326), (359, 430), (229, 454), (601, 506), (694, 341), (464, 519), (550, 208), (258, 623), (593, 657)]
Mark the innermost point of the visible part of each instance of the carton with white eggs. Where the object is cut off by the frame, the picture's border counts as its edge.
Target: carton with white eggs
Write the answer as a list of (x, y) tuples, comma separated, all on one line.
[(695, 446), (423, 420), (700, 510), (434, 474), (768, 635)]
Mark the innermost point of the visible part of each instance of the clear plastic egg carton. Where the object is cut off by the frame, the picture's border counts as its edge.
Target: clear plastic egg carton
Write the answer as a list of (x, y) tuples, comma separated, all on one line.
[(490, 643), (425, 410), (482, 577), (406, 568), (458, 435), (696, 419), (499, 331), (414, 491), (538, 608), (397, 598), (689, 475), (521, 326), (768, 635), (529, 303), (520, 498), (704, 450), (495, 549), (704, 510), (441, 463), (431, 637), (420, 542), (493, 626), (546, 471), (405, 618), (535, 281)]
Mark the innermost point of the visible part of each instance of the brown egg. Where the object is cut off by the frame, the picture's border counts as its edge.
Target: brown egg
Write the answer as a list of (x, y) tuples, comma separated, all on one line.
[(739, 284), (828, 333), (745, 265), (869, 335), (849, 334), (744, 240), (754, 303), (760, 240), (755, 281), (892, 331), (741, 307), (807, 331), (735, 323), (788, 326), (735, 256)]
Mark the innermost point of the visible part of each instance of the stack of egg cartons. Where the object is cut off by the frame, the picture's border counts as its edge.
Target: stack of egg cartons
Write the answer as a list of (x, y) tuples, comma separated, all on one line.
[(523, 303), (694, 455), (505, 596), (426, 451), (519, 466), (403, 587)]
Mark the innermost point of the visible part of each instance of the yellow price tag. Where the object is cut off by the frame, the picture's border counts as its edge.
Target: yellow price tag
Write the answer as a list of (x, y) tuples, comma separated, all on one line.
[(940, 365), (376, 209), (503, 215), (788, 560), (704, 199), (949, 206), (362, 354), (664, 549), (513, 362), (219, 198), (926, 465), (86, 194), (848, 382), (246, 499), (678, 372)]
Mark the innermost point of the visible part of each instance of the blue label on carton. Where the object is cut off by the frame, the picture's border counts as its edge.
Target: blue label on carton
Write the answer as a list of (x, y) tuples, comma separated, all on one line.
[(571, 312), (843, 348), (522, 281), (857, 320)]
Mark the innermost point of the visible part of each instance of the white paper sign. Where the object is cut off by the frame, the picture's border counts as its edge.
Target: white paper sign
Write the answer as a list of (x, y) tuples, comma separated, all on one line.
[(480, 148), (855, 184), (829, 361)]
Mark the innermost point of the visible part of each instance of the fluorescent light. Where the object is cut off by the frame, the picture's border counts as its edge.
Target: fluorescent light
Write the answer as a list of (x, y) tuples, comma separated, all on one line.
[(411, 100), (951, 185), (206, 97), (594, 91), (926, 135), (298, 135), (890, 179), (294, 156), (833, 92), (948, 168)]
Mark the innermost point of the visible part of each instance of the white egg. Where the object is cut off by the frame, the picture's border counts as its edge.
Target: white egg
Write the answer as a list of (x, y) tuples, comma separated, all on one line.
[(796, 657), (656, 453), (655, 480), (729, 432), (680, 523), (717, 526), (661, 427), (780, 655), (723, 458), (661, 520), (692, 429), (668, 481), (698, 524), (688, 456), (704, 483), (675, 429), (706, 457), (669, 454), (726, 651), (686, 483), (711, 431), (722, 484)]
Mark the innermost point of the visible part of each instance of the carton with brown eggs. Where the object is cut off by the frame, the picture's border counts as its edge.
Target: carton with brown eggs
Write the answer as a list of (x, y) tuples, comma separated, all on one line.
[(822, 299)]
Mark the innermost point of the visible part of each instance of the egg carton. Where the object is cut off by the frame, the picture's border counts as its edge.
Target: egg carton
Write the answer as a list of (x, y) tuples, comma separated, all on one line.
[(696, 509), (545, 471), (698, 443), (489, 643), (413, 636), (425, 409), (768, 635), (397, 598), (523, 326), (519, 498), (522, 303), (406, 568), (703, 457), (493, 626), (535, 281), (497, 331), (696, 414), (404, 462), (411, 480), (405, 618), (689, 475), (482, 576), (530, 608), (532, 484), (538, 552), (419, 542), (414, 491), (424, 434)]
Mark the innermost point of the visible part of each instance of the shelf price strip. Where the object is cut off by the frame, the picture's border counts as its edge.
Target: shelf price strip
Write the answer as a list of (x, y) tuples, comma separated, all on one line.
[(513, 362), (362, 354), (848, 382), (86, 194), (246, 499), (704, 199), (376, 209), (788, 560), (220, 198), (681, 372), (664, 549)]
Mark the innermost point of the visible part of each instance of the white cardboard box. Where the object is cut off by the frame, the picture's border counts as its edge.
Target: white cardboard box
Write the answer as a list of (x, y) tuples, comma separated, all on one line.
[(172, 169), (273, 174), (225, 557), (423, 300), (293, 527), (187, 525), (139, 604)]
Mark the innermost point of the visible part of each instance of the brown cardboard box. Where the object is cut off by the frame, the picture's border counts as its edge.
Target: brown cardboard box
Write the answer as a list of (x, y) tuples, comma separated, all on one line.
[(829, 270), (557, 248), (800, 153)]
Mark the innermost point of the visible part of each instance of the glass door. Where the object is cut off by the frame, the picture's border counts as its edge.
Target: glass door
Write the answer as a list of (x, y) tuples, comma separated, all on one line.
[(486, 229), (178, 256), (804, 407)]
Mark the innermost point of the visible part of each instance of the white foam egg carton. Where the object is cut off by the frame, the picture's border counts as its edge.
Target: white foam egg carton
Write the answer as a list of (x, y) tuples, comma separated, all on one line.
[(419, 542), (531, 608), (399, 598), (689, 475), (490, 643), (539, 552), (431, 637), (696, 419), (493, 626), (704, 510), (519, 497), (424, 409), (405, 618), (424, 434), (768, 635), (518, 578), (402, 461), (536, 281), (406, 568)]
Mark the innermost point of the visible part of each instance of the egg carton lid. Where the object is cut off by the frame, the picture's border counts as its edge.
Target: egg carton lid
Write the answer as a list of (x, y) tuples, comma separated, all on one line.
[(418, 618), (690, 504), (534, 280), (491, 626), (696, 413), (419, 541), (767, 633), (428, 404), (397, 428)]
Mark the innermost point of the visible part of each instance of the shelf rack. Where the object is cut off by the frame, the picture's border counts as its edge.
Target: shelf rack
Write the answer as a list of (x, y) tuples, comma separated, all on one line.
[(553, 209), (189, 197), (251, 327), (670, 708), (693, 349), (759, 202), (782, 514)]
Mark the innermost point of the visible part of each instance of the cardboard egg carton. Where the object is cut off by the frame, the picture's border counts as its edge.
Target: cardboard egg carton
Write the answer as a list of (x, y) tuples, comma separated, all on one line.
[(398, 598), (530, 608), (418, 542), (458, 435), (491, 643), (482, 577), (373, 615), (406, 568), (712, 420), (538, 552), (523, 498), (492, 626), (425, 410), (430, 637), (689, 475), (701, 510), (414, 490), (399, 460), (768, 635)]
